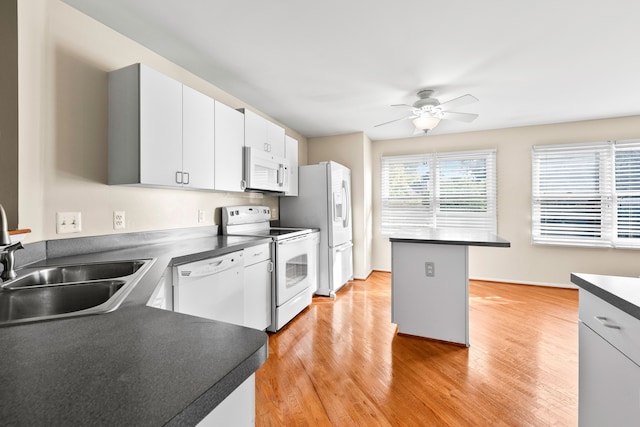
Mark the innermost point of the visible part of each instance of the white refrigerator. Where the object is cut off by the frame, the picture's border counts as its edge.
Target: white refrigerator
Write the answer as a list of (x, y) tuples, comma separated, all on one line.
[(324, 202)]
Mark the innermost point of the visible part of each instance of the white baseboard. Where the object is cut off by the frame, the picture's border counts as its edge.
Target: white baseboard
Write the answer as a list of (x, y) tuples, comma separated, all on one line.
[(521, 282), (515, 282)]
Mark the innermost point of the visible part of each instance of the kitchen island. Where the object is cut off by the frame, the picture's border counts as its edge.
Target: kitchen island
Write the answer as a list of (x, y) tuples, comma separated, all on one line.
[(137, 365), (430, 282)]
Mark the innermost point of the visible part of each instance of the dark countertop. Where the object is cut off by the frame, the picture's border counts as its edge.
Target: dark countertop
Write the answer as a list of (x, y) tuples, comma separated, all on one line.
[(138, 365), (451, 237), (621, 292)]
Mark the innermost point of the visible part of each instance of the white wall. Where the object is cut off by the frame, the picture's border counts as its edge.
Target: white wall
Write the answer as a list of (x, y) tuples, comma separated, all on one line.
[(64, 57), (352, 150), (523, 262)]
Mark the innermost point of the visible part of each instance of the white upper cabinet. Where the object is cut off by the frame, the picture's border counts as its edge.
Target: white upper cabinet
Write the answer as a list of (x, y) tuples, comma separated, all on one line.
[(262, 134), (198, 136), (161, 133), (229, 141), (291, 154), (160, 106)]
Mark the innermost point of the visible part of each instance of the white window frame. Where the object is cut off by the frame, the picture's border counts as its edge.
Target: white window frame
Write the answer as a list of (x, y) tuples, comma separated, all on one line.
[(579, 191), (420, 201)]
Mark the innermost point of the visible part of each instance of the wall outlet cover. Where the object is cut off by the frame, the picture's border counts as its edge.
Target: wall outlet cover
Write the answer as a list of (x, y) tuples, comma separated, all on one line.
[(119, 220)]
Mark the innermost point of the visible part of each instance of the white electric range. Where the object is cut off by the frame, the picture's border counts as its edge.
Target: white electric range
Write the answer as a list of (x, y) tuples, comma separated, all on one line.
[(294, 253)]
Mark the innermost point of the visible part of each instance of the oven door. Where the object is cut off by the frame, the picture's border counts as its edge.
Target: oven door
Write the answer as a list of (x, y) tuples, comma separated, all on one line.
[(296, 266)]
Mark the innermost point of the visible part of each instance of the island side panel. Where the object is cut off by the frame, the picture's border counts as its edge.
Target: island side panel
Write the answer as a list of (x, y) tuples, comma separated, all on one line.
[(434, 307)]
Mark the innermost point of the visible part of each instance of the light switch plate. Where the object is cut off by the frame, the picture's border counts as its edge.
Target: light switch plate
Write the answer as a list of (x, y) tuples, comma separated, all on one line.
[(68, 222)]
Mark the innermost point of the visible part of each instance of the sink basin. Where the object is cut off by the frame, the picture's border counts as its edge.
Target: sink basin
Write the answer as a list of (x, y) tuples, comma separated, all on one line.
[(55, 300), (60, 291), (75, 273)]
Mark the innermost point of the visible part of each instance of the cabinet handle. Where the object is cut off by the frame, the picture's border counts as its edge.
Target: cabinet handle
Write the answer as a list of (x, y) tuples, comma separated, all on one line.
[(179, 177), (605, 322), (186, 177), (243, 184), (270, 268)]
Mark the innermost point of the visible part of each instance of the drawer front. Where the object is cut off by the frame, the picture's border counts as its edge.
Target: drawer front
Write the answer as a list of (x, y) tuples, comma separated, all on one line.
[(614, 325), (257, 253)]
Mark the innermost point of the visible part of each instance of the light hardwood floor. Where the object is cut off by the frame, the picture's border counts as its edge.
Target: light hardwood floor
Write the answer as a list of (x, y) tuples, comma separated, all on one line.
[(341, 363)]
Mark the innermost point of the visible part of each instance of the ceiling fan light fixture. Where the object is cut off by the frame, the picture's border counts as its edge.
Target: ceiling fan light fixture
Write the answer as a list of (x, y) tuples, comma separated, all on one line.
[(426, 122)]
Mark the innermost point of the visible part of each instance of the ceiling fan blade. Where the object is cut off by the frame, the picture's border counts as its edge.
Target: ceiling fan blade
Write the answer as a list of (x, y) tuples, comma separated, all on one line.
[(460, 117), (396, 120), (407, 106), (459, 101)]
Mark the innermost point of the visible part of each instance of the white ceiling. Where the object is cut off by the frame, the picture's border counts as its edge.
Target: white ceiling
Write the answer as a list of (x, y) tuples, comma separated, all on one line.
[(334, 66)]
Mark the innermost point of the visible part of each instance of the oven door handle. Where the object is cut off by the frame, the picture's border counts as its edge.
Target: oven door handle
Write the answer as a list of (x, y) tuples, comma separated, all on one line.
[(295, 239)]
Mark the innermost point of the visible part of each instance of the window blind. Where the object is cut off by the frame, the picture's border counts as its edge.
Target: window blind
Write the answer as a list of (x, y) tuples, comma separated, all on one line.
[(627, 194), (586, 194), (444, 190)]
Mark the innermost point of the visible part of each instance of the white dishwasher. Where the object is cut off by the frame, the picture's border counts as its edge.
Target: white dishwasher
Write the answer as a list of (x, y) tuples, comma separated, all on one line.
[(212, 288)]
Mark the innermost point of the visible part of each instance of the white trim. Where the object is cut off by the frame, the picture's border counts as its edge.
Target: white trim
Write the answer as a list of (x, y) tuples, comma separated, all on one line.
[(521, 282), (509, 281)]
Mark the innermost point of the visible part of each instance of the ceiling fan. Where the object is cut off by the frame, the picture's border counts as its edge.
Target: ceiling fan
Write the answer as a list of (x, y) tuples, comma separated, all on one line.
[(427, 112)]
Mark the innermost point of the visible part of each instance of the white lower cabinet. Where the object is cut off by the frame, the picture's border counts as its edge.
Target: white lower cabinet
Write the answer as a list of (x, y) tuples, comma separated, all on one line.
[(258, 272), (609, 375), (237, 410)]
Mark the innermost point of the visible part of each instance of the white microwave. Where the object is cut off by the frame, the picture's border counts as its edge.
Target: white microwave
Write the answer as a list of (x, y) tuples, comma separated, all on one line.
[(264, 171)]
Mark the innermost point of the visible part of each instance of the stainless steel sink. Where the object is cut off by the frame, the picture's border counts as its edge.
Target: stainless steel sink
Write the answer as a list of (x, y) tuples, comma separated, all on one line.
[(54, 300), (55, 292), (75, 273)]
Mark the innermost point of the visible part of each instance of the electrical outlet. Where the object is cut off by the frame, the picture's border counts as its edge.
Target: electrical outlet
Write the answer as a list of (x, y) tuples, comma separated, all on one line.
[(274, 214), (430, 269), (119, 220), (68, 222), (201, 216)]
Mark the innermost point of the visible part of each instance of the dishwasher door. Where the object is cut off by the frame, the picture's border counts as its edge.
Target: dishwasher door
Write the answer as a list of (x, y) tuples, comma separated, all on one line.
[(212, 288)]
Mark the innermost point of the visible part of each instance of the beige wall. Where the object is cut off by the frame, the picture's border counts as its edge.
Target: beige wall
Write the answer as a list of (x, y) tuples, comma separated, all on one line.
[(64, 58), (523, 262), (352, 150)]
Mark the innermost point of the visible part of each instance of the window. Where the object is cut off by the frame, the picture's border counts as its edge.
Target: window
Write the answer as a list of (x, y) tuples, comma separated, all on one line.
[(443, 190), (587, 194)]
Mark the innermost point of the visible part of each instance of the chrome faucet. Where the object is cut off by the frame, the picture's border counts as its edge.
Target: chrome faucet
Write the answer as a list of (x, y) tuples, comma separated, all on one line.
[(7, 249)]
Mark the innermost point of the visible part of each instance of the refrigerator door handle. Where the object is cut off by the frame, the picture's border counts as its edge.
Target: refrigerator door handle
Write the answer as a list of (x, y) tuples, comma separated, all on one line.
[(347, 205), (344, 247)]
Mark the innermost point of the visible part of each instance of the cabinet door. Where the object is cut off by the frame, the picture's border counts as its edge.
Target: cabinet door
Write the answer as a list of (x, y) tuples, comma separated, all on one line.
[(609, 383), (229, 141), (198, 138), (255, 131), (257, 295), (160, 128), (291, 154), (275, 139)]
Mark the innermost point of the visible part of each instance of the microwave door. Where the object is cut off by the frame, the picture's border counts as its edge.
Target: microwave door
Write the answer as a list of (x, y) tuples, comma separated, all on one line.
[(263, 171)]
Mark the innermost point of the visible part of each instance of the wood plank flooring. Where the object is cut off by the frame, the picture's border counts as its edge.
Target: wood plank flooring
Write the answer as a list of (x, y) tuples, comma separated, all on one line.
[(341, 363)]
